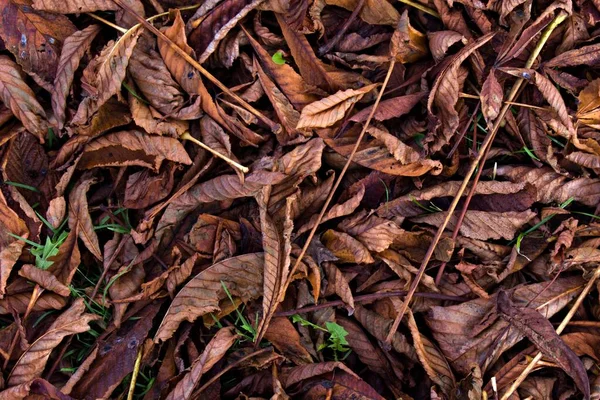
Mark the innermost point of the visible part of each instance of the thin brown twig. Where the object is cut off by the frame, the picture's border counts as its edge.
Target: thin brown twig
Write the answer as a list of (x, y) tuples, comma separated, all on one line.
[(326, 48), (477, 162), (368, 297), (339, 179), (275, 127)]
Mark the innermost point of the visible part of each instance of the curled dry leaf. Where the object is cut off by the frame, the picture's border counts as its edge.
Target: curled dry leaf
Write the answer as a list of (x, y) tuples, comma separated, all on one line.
[(10, 247), (483, 225), (31, 364), (80, 220), (75, 6), (326, 112), (540, 331), (407, 44), (241, 275), (34, 37), (73, 49), (373, 11), (441, 41), (491, 98), (132, 148), (108, 72), (21, 100), (45, 279), (214, 351), (346, 248)]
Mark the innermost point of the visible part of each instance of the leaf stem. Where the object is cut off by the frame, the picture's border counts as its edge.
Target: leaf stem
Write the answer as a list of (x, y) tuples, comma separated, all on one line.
[(421, 7), (558, 19), (187, 136), (107, 22)]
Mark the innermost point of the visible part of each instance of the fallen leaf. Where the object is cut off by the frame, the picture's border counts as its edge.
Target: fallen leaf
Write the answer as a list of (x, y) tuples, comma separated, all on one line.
[(10, 249), (74, 48), (390, 108), (441, 41), (214, 351), (108, 72), (132, 148), (21, 100), (373, 11), (80, 220), (491, 97), (540, 331), (407, 44), (75, 6), (44, 278), (31, 364), (326, 112), (346, 248)]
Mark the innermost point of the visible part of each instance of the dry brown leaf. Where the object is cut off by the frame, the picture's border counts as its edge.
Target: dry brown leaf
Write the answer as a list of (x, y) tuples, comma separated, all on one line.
[(390, 108), (491, 97), (441, 41), (108, 72), (34, 37), (153, 122), (346, 248), (373, 12), (44, 278), (132, 148), (128, 282), (326, 112), (540, 331), (282, 334), (10, 247), (154, 80), (35, 388), (144, 188), (79, 217), (338, 284), (214, 351), (31, 364), (464, 341), (75, 6), (277, 247), (21, 100), (65, 263), (242, 275), (407, 44), (311, 68), (73, 49), (433, 361), (586, 55)]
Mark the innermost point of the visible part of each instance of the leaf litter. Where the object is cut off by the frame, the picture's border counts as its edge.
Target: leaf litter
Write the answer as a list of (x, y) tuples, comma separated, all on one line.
[(318, 199)]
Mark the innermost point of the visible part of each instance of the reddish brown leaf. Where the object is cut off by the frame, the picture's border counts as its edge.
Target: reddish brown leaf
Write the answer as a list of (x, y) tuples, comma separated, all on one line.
[(241, 275), (10, 247), (25, 31), (441, 41), (346, 248), (21, 100), (491, 97), (540, 331), (45, 279), (390, 108), (282, 334), (75, 6), (73, 49), (214, 351), (373, 11), (79, 217), (32, 362), (144, 188), (108, 72), (132, 148)]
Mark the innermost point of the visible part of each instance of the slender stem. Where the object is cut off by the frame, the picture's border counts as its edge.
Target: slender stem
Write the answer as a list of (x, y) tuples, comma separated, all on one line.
[(477, 162), (421, 7), (365, 298), (559, 330), (106, 22), (134, 374), (339, 179), (275, 127), (187, 136)]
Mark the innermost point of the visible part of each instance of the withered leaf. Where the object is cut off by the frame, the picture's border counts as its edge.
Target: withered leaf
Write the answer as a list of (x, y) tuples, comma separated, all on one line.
[(73, 49), (241, 275), (109, 71), (214, 351), (132, 148), (80, 220), (326, 112), (128, 282), (10, 247), (153, 123), (37, 387), (31, 364), (346, 248), (491, 97), (407, 44), (75, 6), (483, 225), (441, 41), (44, 278), (373, 11), (34, 37), (215, 25), (337, 283), (390, 108), (285, 338), (21, 100), (433, 361), (540, 331), (65, 263)]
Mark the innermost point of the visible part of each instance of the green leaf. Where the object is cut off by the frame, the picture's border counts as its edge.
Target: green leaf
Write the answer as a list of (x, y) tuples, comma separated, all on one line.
[(337, 336), (278, 58)]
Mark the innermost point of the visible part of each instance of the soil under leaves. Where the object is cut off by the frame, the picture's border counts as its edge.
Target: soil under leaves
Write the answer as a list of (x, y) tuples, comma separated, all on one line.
[(316, 199)]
